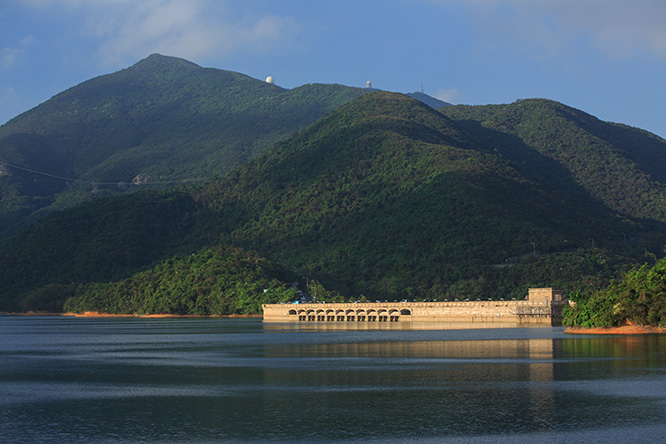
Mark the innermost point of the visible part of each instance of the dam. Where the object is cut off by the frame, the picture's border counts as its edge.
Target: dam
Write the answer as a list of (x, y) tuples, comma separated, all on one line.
[(543, 307)]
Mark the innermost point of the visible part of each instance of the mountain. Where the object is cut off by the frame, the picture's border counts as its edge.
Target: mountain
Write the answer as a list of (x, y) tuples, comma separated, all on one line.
[(161, 122), (428, 100), (621, 167), (383, 197)]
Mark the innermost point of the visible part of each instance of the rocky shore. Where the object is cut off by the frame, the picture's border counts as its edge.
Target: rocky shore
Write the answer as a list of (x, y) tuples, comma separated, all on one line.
[(627, 329), (94, 314)]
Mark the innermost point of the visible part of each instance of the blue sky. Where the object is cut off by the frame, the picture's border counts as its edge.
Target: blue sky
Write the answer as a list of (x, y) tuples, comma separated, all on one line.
[(605, 57)]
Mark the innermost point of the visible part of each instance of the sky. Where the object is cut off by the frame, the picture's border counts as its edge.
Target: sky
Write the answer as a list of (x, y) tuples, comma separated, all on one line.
[(605, 57)]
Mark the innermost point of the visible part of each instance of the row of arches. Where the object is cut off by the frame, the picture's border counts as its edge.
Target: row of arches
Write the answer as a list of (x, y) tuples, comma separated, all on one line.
[(350, 315)]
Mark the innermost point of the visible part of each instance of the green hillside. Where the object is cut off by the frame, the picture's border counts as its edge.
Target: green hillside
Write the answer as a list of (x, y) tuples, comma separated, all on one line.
[(161, 122), (386, 195), (217, 280), (383, 197), (622, 167), (639, 297)]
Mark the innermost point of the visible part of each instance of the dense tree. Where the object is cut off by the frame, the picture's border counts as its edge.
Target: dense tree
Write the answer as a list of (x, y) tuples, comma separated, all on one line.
[(383, 198), (160, 122), (215, 281), (638, 297)]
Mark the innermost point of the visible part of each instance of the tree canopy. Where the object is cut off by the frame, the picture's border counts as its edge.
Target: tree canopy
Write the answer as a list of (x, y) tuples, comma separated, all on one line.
[(382, 198)]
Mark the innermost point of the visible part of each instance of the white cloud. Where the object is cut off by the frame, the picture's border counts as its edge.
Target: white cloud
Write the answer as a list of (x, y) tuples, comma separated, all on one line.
[(128, 29), (447, 95), (617, 27), (191, 29), (10, 56), (7, 58), (6, 94), (621, 28)]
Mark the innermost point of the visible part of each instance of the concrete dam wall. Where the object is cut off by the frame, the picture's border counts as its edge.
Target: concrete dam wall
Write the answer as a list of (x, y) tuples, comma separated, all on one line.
[(543, 307)]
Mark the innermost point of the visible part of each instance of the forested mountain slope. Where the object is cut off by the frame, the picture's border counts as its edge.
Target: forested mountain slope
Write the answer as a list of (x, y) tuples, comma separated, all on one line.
[(383, 197), (622, 167), (161, 122)]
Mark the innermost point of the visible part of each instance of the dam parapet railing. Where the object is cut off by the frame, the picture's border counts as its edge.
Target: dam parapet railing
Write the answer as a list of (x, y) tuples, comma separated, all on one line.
[(543, 306)]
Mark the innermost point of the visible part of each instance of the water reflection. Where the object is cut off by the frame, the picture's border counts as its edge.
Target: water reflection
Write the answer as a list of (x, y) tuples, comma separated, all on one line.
[(127, 380), (508, 381), (404, 325)]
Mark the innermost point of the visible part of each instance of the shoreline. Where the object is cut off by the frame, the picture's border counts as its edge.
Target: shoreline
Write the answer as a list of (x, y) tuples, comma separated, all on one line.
[(628, 329), (95, 314)]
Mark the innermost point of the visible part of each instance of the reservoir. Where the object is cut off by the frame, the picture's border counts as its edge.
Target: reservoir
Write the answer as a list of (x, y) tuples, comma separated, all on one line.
[(181, 380)]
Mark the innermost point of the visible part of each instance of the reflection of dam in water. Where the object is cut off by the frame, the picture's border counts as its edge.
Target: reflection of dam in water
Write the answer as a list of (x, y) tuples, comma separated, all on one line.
[(506, 351), (543, 307)]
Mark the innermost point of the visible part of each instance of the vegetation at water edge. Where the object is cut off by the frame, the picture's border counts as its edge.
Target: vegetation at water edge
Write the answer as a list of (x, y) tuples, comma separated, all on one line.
[(639, 297)]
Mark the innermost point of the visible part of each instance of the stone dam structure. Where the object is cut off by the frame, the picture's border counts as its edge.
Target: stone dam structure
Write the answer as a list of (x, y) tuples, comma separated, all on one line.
[(543, 307)]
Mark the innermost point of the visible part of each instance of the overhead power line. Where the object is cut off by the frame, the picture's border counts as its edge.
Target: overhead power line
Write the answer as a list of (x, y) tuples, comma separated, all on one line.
[(95, 183)]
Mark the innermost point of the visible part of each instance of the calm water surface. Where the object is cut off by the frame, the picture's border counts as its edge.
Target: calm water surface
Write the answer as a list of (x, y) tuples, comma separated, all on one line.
[(132, 380)]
